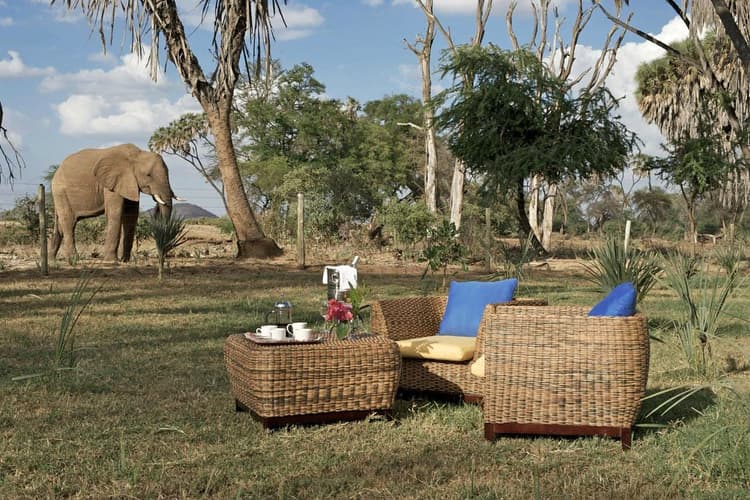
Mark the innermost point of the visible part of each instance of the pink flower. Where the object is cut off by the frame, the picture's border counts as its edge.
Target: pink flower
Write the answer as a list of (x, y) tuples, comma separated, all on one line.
[(338, 311)]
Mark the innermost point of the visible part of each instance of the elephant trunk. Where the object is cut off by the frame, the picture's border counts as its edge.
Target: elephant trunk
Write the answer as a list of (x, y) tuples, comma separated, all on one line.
[(163, 209)]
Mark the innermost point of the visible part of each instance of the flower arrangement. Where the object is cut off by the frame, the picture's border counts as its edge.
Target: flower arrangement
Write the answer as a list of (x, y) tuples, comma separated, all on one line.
[(340, 314)]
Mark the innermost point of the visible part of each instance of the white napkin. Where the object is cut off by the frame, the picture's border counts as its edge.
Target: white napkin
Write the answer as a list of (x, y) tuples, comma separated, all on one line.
[(347, 276)]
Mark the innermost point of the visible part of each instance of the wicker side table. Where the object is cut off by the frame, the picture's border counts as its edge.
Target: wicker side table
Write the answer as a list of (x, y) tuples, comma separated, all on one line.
[(313, 383)]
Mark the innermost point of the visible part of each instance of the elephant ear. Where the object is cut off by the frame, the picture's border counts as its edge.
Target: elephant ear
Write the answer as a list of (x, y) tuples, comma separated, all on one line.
[(114, 170)]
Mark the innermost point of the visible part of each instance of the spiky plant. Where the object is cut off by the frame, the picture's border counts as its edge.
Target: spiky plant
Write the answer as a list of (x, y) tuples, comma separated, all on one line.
[(83, 294), (610, 264), (703, 296), (168, 233)]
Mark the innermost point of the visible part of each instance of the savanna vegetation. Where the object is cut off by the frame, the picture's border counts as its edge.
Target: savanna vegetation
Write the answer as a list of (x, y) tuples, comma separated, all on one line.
[(111, 376), (142, 406)]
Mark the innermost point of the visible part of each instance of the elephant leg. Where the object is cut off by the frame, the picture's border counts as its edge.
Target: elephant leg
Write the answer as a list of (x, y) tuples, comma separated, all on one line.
[(113, 209), (65, 230), (54, 246), (129, 223)]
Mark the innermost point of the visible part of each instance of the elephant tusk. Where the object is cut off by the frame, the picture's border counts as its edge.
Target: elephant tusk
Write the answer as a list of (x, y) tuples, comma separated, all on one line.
[(177, 198), (159, 200)]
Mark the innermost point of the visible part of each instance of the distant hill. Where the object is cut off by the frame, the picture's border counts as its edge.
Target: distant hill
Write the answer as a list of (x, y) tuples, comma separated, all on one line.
[(188, 211)]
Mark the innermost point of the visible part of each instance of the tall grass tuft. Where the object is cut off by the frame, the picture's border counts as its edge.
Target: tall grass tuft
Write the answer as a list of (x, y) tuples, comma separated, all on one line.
[(83, 294), (703, 298), (168, 233), (611, 265), (514, 264)]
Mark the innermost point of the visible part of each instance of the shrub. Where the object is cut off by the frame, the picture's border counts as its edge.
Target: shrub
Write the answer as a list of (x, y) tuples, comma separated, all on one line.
[(611, 265), (25, 212), (703, 298), (168, 233), (408, 222), (443, 248)]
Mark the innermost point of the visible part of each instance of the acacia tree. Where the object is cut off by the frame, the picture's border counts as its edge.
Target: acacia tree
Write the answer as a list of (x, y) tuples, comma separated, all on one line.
[(696, 165), (518, 119), (548, 42), (234, 20)]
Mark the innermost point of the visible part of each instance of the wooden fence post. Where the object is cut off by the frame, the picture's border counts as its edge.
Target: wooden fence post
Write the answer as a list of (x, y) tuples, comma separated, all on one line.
[(301, 230), (627, 236), (42, 206), (488, 238)]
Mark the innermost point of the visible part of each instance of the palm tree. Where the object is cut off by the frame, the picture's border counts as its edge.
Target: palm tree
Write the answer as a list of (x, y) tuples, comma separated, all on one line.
[(733, 16), (673, 91), (234, 20)]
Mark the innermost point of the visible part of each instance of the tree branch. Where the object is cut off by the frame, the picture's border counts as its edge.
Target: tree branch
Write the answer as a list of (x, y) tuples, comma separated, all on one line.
[(733, 32), (646, 36), (410, 124)]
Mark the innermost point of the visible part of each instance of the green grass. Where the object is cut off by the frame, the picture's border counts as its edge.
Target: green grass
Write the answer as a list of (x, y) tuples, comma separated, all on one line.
[(148, 414)]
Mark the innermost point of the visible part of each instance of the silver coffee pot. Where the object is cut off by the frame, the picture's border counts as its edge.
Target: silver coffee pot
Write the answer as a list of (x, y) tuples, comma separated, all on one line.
[(281, 315)]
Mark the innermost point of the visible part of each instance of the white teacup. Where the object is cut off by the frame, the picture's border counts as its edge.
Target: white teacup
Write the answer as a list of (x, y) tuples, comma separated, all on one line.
[(293, 327), (303, 334), (278, 333), (264, 330)]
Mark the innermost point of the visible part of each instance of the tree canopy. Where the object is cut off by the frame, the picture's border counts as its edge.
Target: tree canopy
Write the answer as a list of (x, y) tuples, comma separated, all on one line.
[(520, 120)]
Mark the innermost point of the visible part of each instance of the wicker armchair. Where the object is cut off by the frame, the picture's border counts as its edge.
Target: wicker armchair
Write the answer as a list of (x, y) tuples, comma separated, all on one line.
[(412, 317), (556, 370)]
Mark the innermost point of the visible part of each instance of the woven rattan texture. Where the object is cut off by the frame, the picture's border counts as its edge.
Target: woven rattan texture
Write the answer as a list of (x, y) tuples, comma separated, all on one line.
[(559, 366), (413, 317), (332, 376)]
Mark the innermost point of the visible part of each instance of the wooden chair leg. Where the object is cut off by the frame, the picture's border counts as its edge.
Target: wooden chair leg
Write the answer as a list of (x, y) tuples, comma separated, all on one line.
[(489, 432), (625, 437)]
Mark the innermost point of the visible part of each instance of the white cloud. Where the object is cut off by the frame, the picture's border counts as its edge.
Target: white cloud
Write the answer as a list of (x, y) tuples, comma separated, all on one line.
[(373, 3), (6, 21), (301, 22), (96, 115), (16, 68), (121, 101), (14, 122), (101, 57), (129, 79)]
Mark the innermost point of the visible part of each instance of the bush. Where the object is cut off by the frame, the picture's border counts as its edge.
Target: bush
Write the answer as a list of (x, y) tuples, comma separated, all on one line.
[(26, 214), (611, 265), (91, 230), (408, 222), (443, 248)]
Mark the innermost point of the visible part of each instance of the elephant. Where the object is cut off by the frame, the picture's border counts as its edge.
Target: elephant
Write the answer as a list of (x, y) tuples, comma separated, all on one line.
[(107, 181)]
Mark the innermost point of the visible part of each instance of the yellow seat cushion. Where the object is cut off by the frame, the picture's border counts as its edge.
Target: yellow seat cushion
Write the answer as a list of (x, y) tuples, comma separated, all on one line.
[(439, 347), (476, 367)]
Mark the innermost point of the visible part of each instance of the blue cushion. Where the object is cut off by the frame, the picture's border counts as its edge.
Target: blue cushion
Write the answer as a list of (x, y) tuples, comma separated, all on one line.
[(466, 302), (619, 302)]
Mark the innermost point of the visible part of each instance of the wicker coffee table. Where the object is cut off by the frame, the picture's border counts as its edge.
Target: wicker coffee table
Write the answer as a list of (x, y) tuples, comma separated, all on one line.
[(313, 383)]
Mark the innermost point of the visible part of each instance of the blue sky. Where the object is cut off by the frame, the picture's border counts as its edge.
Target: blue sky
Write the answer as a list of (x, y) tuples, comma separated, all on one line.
[(61, 93)]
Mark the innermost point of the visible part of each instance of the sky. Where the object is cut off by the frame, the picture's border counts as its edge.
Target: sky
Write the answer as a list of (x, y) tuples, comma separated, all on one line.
[(61, 92)]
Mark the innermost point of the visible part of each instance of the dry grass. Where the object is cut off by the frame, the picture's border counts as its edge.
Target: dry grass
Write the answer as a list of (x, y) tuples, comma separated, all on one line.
[(148, 413)]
